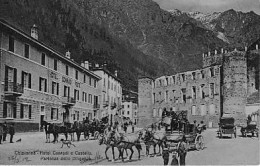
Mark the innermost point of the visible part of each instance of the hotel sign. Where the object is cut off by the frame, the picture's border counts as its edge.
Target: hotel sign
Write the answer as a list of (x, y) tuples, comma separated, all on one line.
[(53, 75), (66, 80)]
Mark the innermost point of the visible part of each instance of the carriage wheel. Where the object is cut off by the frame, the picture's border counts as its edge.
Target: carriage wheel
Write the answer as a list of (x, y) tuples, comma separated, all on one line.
[(199, 143)]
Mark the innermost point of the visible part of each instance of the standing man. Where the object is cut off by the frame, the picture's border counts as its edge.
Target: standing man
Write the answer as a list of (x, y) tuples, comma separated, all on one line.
[(11, 132), (133, 128), (1, 132), (4, 131)]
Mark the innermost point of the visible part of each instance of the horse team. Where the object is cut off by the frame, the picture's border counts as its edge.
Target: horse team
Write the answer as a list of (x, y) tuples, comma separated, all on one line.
[(69, 129)]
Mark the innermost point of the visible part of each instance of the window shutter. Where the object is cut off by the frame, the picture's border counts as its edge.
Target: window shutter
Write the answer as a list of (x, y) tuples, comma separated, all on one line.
[(30, 112), (5, 110), (57, 114), (14, 111), (40, 84), (22, 80), (30, 80), (21, 111), (15, 75), (57, 88), (45, 86), (6, 78)]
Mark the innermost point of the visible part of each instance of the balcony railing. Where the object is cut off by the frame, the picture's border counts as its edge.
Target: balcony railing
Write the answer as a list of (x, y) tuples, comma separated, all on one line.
[(68, 101), (96, 106), (113, 105), (105, 103), (13, 88)]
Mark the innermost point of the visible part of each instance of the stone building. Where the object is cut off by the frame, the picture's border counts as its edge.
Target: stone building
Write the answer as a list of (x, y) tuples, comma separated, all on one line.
[(111, 93), (220, 87), (40, 84), (129, 110)]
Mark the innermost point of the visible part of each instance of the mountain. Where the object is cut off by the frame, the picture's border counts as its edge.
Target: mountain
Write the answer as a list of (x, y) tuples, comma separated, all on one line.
[(135, 37)]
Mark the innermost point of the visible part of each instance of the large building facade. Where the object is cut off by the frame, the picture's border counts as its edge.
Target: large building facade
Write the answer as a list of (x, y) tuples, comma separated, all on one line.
[(111, 94), (40, 84), (220, 87), (129, 111)]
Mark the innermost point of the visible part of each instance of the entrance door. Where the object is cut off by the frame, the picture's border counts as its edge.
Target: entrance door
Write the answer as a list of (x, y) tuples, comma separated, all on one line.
[(66, 115), (41, 122)]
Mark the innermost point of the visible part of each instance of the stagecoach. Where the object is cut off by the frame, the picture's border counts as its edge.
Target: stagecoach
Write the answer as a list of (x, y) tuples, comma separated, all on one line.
[(226, 126)]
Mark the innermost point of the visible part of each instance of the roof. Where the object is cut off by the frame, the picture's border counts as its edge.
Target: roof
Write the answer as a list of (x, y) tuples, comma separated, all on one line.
[(106, 71), (4, 24)]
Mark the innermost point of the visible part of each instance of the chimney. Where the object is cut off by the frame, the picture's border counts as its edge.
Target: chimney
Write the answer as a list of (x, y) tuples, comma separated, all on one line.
[(86, 65), (82, 64), (97, 65), (34, 32), (245, 48), (216, 52), (67, 55), (222, 50), (256, 47), (116, 73)]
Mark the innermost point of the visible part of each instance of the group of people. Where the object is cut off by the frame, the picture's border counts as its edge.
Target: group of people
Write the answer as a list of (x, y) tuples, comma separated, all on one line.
[(4, 130)]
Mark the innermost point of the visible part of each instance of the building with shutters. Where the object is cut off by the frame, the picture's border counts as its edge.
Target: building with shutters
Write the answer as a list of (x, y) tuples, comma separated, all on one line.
[(40, 84), (111, 94)]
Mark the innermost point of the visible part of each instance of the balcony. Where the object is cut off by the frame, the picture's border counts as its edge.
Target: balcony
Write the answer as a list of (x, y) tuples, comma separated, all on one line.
[(68, 101), (113, 105), (13, 89), (105, 103), (96, 106)]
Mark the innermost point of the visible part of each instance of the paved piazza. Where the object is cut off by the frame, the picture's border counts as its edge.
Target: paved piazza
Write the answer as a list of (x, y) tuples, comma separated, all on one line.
[(33, 150)]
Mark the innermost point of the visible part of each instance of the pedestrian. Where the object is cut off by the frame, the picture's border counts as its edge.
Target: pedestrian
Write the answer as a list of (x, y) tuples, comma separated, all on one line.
[(5, 129), (1, 132), (174, 159), (182, 151), (125, 128), (11, 132), (133, 128), (165, 155)]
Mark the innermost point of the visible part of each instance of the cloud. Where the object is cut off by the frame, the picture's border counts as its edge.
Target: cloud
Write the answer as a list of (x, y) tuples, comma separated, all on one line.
[(211, 5)]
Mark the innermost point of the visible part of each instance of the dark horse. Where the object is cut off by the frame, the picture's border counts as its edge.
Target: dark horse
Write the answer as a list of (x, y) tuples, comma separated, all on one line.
[(55, 129)]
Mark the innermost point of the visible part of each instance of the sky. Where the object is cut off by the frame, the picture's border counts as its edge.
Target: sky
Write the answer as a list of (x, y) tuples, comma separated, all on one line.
[(210, 6)]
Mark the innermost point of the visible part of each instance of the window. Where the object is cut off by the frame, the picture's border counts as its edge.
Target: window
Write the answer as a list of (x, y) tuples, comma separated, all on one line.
[(202, 93), (160, 112), (123, 112), (95, 83), (54, 114), (26, 111), (123, 106), (67, 70), (212, 109), (90, 80), (211, 72), (128, 106), (173, 79), (153, 98), (160, 96), (193, 75), (211, 89), (202, 110), (9, 110), (43, 59), (166, 96), (84, 78), (76, 94), (77, 114), (11, 44), (173, 95), (42, 110), (167, 82), (193, 92), (108, 84), (76, 74), (90, 98), (193, 110), (128, 112), (55, 88), (26, 79), (66, 91), (183, 91), (55, 67), (154, 112), (84, 96), (26, 51), (202, 74), (43, 84), (183, 77)]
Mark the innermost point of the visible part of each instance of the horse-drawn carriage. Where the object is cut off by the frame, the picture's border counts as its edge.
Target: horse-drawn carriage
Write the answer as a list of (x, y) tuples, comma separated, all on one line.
[(226, 126), (250, 128)]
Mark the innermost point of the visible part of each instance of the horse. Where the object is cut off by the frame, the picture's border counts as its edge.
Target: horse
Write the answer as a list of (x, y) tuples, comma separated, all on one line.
[(153, 139), (110, 141), (48, 130), (127, 142)]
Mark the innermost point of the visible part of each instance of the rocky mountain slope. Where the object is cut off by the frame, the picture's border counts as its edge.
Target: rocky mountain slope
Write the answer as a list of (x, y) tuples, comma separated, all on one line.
[(135, 37)]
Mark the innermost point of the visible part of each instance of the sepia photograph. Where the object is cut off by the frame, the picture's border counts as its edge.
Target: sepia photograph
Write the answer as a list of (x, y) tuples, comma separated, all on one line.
[(129, 82)]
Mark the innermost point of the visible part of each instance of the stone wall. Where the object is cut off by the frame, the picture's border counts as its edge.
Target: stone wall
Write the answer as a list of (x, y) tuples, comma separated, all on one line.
[(235, 85)]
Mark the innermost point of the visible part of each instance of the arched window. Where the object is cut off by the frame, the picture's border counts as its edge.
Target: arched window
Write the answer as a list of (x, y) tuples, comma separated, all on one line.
[(154, 112), (160, 112)]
